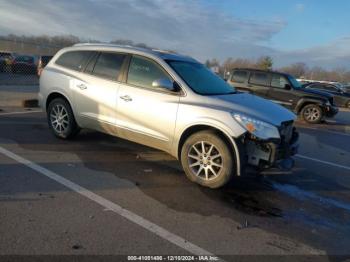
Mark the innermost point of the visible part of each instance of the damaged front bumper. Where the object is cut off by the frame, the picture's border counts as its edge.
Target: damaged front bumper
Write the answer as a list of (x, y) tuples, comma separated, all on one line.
[(272, 153)]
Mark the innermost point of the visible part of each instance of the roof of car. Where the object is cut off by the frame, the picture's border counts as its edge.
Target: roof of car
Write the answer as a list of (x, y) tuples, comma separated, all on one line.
[(260, 70), (164, 54)]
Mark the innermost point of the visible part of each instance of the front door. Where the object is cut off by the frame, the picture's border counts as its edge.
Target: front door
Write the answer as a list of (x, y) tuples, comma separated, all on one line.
[(281, 91), (147, 114)]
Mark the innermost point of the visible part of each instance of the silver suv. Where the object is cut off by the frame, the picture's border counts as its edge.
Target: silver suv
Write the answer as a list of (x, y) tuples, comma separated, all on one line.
[(166, 101)]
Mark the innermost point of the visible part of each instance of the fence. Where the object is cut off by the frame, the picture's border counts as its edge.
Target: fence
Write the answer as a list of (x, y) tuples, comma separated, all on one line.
[(20, 61)]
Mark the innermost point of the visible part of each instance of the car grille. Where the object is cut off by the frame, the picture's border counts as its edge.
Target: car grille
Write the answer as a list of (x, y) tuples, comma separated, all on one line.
[(286, 131)]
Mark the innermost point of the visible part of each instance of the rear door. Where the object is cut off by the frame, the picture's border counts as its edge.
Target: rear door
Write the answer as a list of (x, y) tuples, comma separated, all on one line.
[(279, 93), (96, 91), (146, 114), (259, 83)]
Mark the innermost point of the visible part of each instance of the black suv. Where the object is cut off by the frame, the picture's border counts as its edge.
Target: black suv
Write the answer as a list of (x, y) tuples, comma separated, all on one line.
[(284, 89)]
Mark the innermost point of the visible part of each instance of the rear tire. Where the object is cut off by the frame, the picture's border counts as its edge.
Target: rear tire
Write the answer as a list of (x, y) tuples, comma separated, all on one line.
[(61, 119), (207, 159), (312, 113)]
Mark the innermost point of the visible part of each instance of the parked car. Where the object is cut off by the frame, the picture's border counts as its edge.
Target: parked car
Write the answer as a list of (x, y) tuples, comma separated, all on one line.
[(24, 64), (170, 102), (6, 59), (341, 96), (312, 105), (346, 88), (42, 62)]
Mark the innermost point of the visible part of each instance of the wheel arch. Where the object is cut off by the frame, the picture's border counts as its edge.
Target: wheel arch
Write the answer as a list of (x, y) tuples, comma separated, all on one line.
[(307, 101), (55, 95), (222, 133)]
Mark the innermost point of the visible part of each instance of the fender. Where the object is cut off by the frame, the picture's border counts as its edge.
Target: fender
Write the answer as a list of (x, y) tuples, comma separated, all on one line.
[(220, 127), (304, 100)]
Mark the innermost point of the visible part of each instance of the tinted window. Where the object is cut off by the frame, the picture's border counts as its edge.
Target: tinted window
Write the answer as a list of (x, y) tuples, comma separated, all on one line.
[(279, 81), (74, 60), (258, 78), (142, 72), (108, 65), (239, 76), (295, 83), (91, 63)]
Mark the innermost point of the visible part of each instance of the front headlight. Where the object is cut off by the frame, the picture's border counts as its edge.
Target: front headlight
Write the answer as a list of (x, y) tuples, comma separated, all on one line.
[(256, 127)]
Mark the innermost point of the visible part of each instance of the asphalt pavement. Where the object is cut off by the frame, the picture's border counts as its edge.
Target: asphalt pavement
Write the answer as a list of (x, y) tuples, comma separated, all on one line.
[(101, 195)]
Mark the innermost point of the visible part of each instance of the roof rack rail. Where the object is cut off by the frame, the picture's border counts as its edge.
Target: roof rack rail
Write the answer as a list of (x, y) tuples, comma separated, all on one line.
[(163, 51), (101, 44)]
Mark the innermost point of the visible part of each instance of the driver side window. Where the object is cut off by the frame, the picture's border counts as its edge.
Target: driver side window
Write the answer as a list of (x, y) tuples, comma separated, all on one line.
[(143, 71), (279, 81)]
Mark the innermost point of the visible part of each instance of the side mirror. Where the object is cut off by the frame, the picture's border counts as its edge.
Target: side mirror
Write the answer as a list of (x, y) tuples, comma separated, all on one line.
[(164, 83), (288, 86)]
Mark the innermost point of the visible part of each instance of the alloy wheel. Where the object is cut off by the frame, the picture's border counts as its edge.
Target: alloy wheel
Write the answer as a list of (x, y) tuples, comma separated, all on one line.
[(312, 114), (59, 118), (205, 160)]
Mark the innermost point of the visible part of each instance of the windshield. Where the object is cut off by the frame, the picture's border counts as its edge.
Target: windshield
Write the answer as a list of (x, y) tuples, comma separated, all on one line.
[(200, 79), (294, 82)]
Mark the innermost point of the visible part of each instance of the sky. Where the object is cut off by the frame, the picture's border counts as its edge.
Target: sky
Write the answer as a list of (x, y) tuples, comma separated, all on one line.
[(315, 32)]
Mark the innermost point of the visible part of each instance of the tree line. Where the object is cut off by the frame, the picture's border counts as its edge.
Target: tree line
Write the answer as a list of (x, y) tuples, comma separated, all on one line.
[(299, 70)]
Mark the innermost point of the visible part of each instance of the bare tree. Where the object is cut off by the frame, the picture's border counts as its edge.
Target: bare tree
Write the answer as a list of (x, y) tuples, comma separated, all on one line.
[(297, 70)]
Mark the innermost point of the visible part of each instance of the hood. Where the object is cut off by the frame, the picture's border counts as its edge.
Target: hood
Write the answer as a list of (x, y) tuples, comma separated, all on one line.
[(254, 106), (315, 92)]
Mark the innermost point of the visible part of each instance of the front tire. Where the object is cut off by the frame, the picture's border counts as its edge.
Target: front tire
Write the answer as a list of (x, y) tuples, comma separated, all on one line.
[(312, 113), (207, 159), (61, 119)]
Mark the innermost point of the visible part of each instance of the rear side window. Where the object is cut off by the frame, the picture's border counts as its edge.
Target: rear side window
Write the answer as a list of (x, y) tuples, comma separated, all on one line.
[(239, 76), (74, 60), (142, 72), (108, 65), (279, 81), (258, 78)]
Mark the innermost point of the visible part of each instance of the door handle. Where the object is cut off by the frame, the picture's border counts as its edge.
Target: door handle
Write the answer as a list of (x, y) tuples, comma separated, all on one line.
[(126, 98), (82, 86)]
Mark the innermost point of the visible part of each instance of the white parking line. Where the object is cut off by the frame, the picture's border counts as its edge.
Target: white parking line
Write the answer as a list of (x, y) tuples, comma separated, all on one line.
[(22, 112), (323, 162), (159, 231)]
